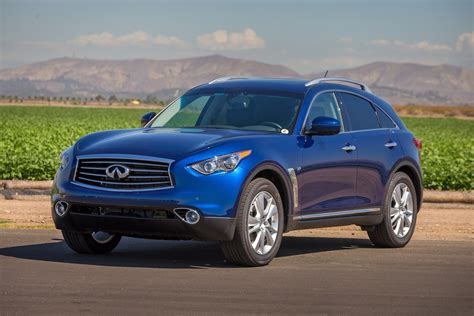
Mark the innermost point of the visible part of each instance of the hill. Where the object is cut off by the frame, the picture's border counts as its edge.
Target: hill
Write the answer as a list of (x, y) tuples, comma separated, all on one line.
[(399, 83)]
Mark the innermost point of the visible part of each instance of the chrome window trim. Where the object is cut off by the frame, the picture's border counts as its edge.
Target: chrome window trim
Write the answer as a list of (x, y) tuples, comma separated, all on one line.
[(123, 156), (342, 114), (376, 210), (368, 130)]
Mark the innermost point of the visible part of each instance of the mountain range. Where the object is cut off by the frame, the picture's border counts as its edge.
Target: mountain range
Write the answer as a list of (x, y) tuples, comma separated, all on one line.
[(401, 83)]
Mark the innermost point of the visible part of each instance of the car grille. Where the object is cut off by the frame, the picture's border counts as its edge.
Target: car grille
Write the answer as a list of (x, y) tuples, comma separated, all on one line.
[(143, 173)]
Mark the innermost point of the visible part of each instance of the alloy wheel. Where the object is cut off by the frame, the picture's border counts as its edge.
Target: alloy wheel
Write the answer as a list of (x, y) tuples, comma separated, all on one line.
[(263, 223), (401, 210)]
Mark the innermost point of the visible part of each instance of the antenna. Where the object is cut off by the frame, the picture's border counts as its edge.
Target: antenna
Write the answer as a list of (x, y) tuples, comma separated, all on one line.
[(325, 75)]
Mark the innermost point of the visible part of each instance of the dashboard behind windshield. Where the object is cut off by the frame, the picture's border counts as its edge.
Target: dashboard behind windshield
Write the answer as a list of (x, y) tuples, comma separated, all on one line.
[(246, 110)]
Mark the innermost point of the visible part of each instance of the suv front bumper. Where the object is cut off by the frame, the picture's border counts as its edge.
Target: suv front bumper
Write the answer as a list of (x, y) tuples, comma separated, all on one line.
[(128, 223), (213, 197)]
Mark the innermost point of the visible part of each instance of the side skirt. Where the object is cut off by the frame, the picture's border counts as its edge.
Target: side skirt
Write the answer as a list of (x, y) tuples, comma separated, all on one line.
[(361, 217)]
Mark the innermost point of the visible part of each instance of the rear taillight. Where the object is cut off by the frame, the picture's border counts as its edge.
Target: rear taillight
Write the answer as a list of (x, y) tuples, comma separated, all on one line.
[(418, 144)]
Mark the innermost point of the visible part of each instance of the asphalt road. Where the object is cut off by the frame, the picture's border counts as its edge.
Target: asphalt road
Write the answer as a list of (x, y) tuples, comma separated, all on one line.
[(311, 275)]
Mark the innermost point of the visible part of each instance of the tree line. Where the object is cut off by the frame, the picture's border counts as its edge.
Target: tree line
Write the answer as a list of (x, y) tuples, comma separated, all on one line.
[(112, 99)]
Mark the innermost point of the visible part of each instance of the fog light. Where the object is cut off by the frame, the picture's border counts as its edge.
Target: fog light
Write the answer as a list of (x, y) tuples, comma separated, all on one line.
[(192, 217), (61, 208)]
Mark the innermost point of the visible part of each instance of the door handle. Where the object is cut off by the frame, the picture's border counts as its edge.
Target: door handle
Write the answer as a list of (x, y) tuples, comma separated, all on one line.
[(349, 148), (390, 145)]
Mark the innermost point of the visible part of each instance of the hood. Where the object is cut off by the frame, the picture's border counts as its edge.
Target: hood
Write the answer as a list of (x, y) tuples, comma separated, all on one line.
[(170, 143)]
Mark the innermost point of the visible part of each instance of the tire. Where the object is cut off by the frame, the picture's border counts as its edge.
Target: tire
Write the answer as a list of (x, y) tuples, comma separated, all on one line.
[(240, 250), (385, 234), (88, 244)]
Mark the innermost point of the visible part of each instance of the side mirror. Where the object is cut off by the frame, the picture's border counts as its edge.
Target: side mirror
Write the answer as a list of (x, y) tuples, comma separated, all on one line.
[(147, 118), (323, 125)]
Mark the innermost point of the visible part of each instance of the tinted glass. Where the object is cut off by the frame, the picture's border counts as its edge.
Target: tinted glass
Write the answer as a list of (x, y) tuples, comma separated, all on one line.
[(361, 113), (385, 121), (188, 115), (324, 105), (249, 110)]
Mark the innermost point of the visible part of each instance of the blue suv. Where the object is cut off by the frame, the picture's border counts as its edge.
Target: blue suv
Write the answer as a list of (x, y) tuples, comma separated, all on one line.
[(241, 161)]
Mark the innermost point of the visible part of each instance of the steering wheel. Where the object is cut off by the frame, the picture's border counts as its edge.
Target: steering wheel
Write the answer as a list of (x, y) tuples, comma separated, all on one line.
[(272, 124)]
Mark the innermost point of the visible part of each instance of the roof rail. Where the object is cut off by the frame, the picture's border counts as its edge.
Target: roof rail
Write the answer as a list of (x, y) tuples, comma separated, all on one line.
[(363, 86), (221, 79)]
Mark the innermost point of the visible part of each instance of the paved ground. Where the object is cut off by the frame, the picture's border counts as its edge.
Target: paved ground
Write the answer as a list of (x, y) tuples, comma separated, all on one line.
[(311, 275)]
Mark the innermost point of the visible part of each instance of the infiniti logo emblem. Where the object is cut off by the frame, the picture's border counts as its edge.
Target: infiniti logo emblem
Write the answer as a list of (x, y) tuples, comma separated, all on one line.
[(117, 171)]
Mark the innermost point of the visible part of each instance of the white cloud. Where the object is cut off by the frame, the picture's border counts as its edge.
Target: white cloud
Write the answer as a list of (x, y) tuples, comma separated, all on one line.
[(133, 38), (429, 46), (129, 39), (224, 40), (465, 42), (98, 39), (423, 45), (168, 40)]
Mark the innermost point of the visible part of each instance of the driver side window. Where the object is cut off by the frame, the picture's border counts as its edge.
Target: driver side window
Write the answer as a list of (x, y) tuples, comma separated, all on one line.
[(325, 104)]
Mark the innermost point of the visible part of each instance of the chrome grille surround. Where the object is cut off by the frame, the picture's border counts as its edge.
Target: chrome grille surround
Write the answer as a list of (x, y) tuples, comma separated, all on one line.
[(146, 173)]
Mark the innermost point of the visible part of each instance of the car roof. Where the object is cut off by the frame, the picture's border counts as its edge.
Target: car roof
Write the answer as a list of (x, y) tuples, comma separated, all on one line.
[(283, 84), (299, 86)]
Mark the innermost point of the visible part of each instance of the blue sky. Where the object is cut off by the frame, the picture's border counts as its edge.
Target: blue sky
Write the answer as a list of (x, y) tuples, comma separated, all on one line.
[(304, 35)]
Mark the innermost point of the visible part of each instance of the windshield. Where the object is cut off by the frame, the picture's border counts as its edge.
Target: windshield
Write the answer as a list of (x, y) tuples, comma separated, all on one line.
[(247, 110)]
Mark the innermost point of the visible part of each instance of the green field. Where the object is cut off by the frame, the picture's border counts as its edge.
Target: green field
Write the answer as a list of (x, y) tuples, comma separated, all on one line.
[(32, 137), (448, 151)]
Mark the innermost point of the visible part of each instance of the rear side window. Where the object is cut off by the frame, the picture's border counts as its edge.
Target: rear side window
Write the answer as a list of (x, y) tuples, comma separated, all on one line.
[(385, 121), (361, 114)]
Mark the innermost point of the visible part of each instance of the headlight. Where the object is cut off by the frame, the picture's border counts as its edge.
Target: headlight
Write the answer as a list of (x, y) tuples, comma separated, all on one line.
[(65, 157), (224, 163)]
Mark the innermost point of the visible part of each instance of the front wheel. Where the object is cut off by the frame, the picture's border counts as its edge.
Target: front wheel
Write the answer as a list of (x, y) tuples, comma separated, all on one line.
[(400, 212), (259, 226), (92, 243)]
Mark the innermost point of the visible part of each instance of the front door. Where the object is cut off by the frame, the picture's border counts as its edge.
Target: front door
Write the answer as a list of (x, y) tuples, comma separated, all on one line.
[(329, 164)]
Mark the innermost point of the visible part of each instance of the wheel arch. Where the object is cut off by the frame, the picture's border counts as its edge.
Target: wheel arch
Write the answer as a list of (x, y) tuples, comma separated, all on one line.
[(281, 179), (410, 169)]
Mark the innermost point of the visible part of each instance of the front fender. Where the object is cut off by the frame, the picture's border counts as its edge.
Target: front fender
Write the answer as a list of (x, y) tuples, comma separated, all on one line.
[(282, 180)]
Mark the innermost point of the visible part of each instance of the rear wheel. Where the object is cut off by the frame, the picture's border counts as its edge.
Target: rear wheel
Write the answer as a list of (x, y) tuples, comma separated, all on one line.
[(259, 226), (93, 243), (400, 212)]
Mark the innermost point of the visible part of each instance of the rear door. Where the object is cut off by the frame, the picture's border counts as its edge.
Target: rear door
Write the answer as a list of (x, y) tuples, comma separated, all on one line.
[(377, 147)]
